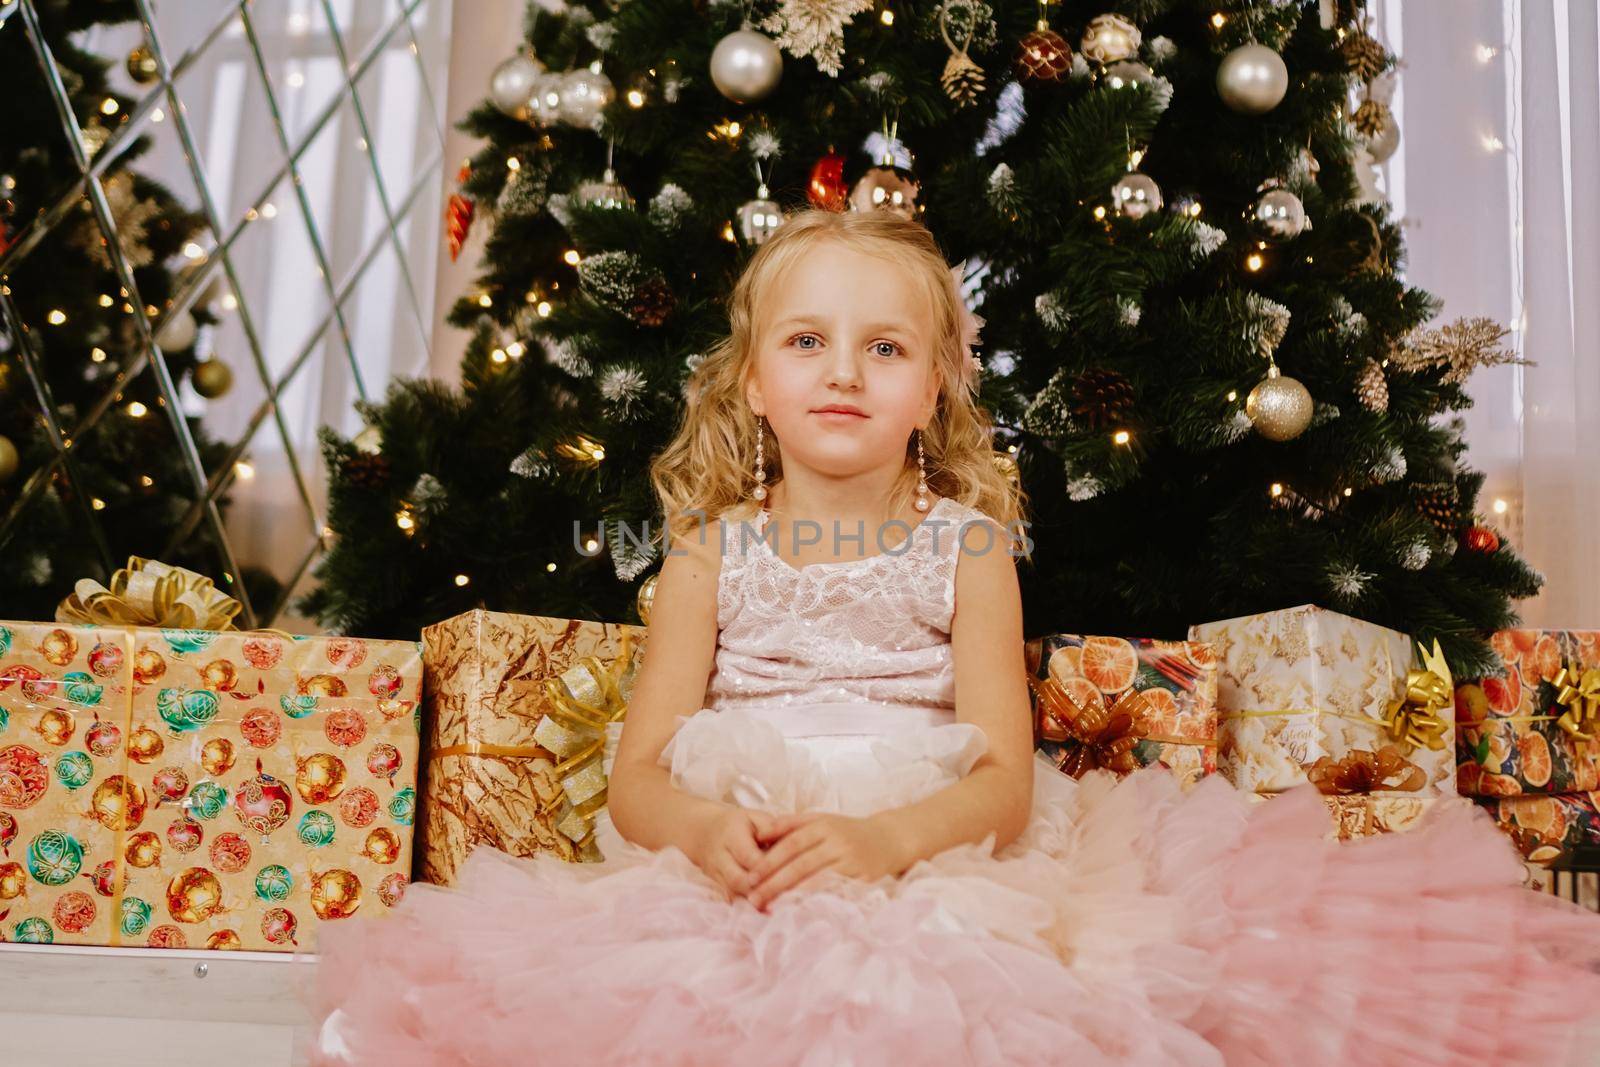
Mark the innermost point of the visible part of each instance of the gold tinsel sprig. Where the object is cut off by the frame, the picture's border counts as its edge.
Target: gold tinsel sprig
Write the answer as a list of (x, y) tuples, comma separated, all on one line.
[(1460, 347)]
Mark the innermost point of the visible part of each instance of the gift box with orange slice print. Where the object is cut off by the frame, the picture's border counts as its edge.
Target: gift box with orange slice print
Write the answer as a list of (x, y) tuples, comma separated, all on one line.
[(1122, 704), (1310, 695), (1535, 729), (1546, 828), (201, 789)]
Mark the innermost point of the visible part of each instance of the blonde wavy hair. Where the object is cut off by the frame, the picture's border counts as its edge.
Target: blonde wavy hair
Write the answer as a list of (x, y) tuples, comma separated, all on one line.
[(707, 470)]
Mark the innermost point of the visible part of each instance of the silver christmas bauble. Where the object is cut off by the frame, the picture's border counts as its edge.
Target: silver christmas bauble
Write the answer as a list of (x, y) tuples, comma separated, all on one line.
[(1252, 79), (1278, 216), (512, 83), (1127, 72), (1279, 407), (1136, 195), (746, 66), (760, 218), (544, 100), (1383, 144), (1109, 38), (887, 188), (584, 94), (178, 332)]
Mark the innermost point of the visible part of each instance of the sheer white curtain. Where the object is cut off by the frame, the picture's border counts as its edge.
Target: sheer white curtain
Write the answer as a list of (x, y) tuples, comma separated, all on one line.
[(1497, 181)]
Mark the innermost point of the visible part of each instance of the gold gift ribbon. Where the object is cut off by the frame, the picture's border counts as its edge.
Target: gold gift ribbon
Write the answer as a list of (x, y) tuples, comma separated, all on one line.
[(148, 592), (582, 701), (1414, 720), (1578, 691), (1411, 721)]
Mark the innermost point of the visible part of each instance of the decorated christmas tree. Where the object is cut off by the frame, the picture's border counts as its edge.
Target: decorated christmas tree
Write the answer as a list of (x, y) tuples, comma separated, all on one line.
[(93, 269), (1207, 370)]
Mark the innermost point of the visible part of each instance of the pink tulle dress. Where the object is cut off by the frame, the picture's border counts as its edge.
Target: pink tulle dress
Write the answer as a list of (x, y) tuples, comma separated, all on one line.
[(1131, 923)]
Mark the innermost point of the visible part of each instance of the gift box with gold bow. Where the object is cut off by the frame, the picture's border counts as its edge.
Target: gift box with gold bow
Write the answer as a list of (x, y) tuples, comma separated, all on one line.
[(1356, 816), (177, 787), (1121, 704), (1309, 695), (518, 709), (1535, 728)]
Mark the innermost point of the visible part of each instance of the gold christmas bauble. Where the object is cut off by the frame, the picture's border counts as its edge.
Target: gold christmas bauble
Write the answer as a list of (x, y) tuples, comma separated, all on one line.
[(335, 894), (1279, 407), (217, 756), (382, 845), (59, 647), (119, 803), (10, 460), (194, 895), (145, 746), (225, 941), (142, 66), (320, 778), (55, 727), (143, 850), (647, 597), (13, 881), (211, 378)]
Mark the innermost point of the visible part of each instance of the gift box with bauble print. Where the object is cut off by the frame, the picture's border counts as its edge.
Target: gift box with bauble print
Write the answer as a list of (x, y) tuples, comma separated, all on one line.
[(191, 788)]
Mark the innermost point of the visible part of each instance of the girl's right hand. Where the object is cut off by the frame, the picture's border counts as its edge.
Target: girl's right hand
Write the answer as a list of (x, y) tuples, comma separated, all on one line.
[(727, 845)]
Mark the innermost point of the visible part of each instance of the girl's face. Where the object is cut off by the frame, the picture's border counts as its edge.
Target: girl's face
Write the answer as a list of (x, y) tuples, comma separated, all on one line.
[(844, 330)]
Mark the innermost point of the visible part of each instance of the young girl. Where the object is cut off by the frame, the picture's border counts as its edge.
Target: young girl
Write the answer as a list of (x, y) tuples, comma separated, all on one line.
[(829, 840)]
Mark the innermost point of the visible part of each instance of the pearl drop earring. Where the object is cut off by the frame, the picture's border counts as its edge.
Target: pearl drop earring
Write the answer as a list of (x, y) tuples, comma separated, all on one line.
[(761, 460), (922, 477)]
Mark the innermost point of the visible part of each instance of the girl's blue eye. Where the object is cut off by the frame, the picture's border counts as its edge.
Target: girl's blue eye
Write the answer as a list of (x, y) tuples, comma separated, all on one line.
[(795, 340)]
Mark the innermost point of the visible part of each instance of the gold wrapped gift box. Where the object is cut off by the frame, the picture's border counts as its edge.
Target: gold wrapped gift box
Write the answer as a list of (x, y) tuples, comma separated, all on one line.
[(517, 707)]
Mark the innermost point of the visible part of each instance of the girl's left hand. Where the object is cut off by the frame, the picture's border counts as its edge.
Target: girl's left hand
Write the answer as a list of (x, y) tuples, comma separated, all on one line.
[(813, 842)]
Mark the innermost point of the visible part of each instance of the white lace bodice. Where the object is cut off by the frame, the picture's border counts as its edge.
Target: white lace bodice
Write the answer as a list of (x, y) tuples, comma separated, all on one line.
[(873, 630)]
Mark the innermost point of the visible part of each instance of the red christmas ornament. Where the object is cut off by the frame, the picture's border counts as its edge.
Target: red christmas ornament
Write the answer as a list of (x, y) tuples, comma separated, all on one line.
[(169, 783), (344, 727), (384, 761), (230, 853), (263, 803), (278, 926), (458, 215), (358, 807), (1043, 56), (185, 835), (827, 188), (74, 911), (1482, 539)]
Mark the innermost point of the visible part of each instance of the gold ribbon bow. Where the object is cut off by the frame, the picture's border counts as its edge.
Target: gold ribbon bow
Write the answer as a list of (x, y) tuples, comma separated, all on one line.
[(148, 592), (1578, 691), (1094, 735), (583, 701), (1413, 720)]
